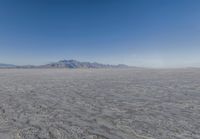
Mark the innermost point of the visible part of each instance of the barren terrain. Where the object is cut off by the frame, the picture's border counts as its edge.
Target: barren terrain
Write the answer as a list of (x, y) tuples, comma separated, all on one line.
[(99, 104)]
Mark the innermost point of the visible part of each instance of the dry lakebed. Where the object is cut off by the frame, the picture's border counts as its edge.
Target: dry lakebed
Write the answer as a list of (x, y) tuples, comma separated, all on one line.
[(100, 103)]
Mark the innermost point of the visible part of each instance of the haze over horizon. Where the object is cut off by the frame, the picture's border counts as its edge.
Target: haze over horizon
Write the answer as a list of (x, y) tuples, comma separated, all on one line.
[(156, 33)]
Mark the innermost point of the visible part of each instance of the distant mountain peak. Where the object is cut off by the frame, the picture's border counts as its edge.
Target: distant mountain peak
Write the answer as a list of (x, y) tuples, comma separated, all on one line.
[(70, 60), (77, 64), (72, 64)]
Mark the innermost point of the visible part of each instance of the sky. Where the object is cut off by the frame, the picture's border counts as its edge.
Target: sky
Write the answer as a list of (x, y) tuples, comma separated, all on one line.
[(145, 33)]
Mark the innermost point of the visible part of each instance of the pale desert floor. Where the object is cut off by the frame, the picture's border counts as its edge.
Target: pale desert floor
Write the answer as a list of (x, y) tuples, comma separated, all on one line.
[(99, 104)]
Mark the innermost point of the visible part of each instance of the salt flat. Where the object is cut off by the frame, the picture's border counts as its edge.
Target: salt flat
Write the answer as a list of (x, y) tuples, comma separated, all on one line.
[(99, 104)]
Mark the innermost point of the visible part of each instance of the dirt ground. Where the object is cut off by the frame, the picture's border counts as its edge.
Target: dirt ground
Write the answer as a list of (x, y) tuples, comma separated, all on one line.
[(100, 104)]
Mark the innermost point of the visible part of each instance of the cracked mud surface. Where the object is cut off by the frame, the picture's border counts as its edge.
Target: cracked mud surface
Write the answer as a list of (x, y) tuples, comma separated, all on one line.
[(99, 104)]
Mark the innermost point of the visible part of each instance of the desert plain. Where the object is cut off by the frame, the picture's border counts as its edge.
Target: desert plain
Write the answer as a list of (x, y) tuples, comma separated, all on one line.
[(100, 103)]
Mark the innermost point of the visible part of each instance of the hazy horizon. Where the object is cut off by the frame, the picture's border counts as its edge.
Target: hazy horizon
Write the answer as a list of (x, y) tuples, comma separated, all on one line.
[(133, 32)]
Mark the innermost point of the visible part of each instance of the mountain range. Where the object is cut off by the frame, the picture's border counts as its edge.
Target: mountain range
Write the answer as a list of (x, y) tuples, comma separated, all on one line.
[(6, 65), (71, 64)]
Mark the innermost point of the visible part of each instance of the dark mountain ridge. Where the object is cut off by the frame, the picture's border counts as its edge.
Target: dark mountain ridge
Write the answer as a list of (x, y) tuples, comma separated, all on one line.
[(77, 64), (71, 64)]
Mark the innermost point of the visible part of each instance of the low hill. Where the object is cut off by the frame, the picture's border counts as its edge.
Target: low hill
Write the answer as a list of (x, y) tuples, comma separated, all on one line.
[(6, 65)]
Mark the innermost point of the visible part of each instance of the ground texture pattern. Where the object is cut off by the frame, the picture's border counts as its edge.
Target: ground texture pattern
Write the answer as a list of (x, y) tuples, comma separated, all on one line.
[(99, 104)]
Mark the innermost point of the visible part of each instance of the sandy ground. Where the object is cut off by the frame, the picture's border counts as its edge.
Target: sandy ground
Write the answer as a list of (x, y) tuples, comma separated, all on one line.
[(99, 104)]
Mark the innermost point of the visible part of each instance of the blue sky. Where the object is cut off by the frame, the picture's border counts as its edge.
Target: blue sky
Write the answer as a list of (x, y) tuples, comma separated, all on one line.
[(150, 33)]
